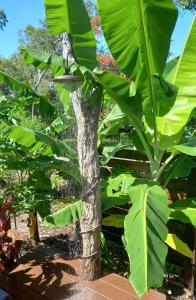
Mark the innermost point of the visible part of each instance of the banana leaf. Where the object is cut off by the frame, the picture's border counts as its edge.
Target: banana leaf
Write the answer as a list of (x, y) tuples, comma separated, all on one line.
[(36, 140), (71, 17), (69, 214), (183, 75), (44, 60), (22, 89), (145, 235)]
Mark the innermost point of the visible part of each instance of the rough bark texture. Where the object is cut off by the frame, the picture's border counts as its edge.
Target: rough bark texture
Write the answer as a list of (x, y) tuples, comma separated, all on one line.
[(87, 122)]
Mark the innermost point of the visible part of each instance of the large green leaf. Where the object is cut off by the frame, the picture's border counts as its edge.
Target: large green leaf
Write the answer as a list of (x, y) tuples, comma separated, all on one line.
[(44, 60), (145, 233), (30, 163), (14, 84), (138, 31), (170, 67), (36, 140), (189, 147), (71, 16), (69, 214), (119, 90), (184, 211), (114, 190), (114, 221), (179, 167), (23, 89), (184, 77), (114, 115), (138, 35), (175, 243), (112, 121), (109, 152)]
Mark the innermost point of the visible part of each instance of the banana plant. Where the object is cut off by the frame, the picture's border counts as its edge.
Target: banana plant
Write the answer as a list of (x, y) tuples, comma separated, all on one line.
[(35, 153), (158, 98), (24, 92)]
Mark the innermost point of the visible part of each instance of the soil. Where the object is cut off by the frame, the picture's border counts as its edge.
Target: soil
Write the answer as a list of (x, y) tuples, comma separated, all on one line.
[(67, 238)]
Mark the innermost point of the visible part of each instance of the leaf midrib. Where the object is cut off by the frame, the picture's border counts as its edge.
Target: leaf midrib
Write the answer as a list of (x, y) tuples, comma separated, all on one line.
[(145, 238), (148, 70)]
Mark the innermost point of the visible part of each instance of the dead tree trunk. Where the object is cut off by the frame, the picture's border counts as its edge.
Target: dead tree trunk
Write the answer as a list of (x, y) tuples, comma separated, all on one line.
[(87, 122)]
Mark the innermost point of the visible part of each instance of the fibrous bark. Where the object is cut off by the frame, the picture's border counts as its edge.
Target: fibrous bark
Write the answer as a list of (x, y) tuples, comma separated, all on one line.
[(87, 121), (87, 117)]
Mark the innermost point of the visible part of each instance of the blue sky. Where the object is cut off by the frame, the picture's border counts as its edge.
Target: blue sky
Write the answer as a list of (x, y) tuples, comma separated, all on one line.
[(23, 12)]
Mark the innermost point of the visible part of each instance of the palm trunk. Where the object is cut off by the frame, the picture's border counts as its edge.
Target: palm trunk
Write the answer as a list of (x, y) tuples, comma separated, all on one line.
[(87, 121)]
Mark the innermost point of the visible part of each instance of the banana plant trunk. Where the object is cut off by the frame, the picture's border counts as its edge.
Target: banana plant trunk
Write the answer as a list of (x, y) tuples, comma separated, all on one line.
[(87, 122)]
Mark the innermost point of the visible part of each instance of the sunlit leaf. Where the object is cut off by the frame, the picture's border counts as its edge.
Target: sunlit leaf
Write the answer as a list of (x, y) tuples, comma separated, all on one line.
[(71, 16), (175, 243), (184, 211), (69, 214)]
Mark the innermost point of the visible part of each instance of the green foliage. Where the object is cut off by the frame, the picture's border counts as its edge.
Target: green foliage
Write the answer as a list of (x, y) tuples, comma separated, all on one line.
[(124, 38), (3, 19), (181, 166), (145, 234), (39, 38), (71, 17), (170, 126), (175, 243), (32, 38), (43, 60), (23, 89), (114, 190), (15, 67), (114, 221), (105, 254), (113, 120), (158, 98), (186, 4), (33, 131), (36, 141), (184, 211), (69, 214), (188, 148), (110, 151)]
